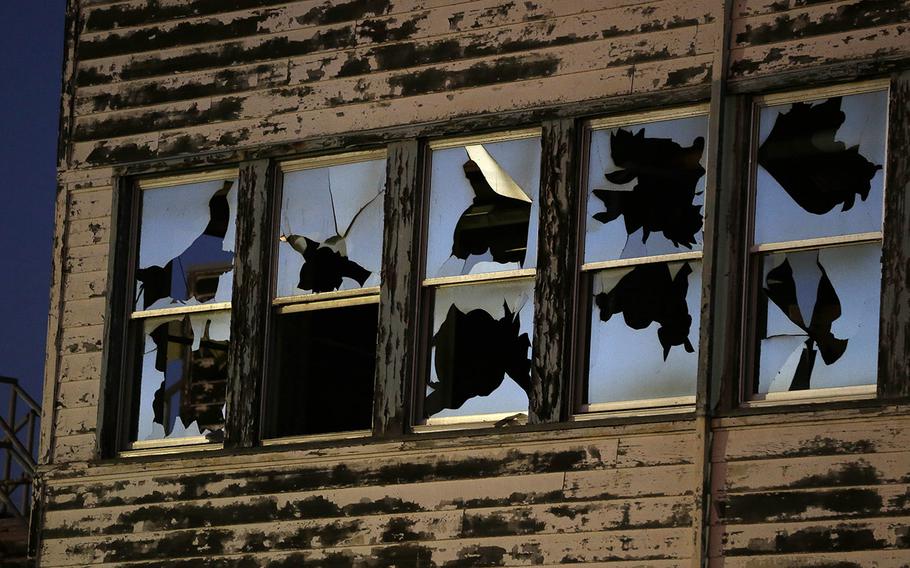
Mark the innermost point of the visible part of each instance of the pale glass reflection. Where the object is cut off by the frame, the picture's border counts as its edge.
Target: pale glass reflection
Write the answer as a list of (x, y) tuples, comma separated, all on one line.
[(854, 273), (186, 245), (511, 350), (191, 387), (339, 207), (628, 364), (779, 218), (513, 169), (611, 240)]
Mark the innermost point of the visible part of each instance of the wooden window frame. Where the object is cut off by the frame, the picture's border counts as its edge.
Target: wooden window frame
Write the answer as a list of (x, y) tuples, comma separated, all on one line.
[(585, 270), (753, 253), (125, 352), (429, 286), (314, 301)]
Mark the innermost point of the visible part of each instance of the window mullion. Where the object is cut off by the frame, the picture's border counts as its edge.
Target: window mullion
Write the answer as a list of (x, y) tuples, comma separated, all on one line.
[(724, 256), (894, 359), (554, 292), (115, 373), (396, 353), (250, 303)]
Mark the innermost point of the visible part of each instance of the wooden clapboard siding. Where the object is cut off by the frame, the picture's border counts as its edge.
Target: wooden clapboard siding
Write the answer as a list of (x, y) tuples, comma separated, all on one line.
[(837, 488), (84, 254), (510, 500), (207, 78), (167, 85), (788, 37)]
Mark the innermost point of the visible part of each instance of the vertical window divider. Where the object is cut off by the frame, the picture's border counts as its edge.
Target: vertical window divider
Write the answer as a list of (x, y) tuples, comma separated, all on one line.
[(557, 274), (247, 355), (114, 396), (720, 137), (399, 296), (894, 337)]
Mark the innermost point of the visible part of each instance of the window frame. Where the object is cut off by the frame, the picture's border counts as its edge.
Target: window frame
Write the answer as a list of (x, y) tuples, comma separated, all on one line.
[(753, 253), (281, 305), (586, 271), (429, 286), (133, 330)]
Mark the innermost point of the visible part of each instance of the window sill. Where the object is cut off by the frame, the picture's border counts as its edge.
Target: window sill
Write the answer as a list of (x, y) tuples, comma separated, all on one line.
[(167, 447), (861, 392), (327, 437)]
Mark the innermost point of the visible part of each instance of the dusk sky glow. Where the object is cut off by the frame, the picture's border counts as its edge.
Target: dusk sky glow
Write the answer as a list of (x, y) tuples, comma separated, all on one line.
[(32, 43)]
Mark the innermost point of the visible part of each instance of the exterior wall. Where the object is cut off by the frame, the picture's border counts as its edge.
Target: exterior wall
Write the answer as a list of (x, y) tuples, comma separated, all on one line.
[(816, 489), (191, 82), (543, 498)]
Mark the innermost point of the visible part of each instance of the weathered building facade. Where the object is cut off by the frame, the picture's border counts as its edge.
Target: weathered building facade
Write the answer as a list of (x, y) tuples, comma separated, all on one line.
[(239, 100)]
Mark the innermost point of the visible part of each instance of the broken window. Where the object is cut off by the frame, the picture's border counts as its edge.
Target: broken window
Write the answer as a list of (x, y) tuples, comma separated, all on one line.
[(483, 206), (329, 241), (184, 376), (644, 329), (820, 168), (481, 254), (818, 318), (480, 350), (816, 248), (181, 308), (646, 189), (325, 363), (642, 259), (186, 244), (330, 227)]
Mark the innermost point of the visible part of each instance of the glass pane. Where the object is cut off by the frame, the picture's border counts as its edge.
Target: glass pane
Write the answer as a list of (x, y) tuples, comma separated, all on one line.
[(326, 364), (820, 168), (186, 245), (644, 332), (184, 376), (330, 230), (481, 349), (483, 208), (646, 189), (818, 318)]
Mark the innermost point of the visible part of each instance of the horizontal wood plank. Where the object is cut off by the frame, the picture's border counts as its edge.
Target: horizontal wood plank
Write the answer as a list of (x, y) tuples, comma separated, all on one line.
[(819, 472), (817, 20)]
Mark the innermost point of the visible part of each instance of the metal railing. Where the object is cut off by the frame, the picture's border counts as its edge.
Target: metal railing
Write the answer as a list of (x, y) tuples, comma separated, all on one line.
[(17, 449)]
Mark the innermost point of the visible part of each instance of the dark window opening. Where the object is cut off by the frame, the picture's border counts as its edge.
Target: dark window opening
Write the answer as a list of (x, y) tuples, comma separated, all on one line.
[(324, 372)]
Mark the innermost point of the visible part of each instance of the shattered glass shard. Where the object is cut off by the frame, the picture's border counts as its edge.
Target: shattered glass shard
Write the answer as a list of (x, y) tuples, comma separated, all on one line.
[(818, 172), (628, 363), (650, 293), (498, 218), (781, 288), (473, 353), (332, 228), (196, 271), (663, 199), (324, 268), (189, 398)]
